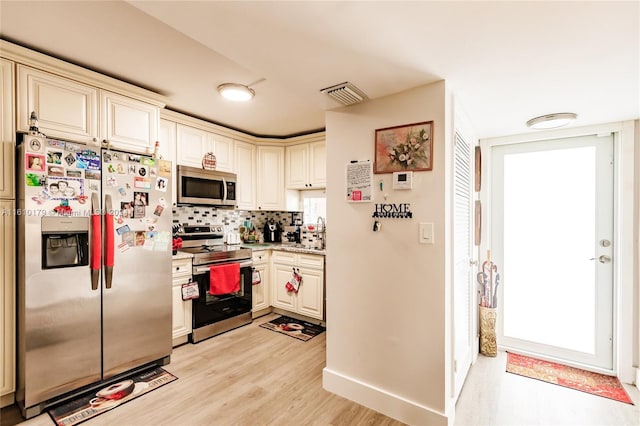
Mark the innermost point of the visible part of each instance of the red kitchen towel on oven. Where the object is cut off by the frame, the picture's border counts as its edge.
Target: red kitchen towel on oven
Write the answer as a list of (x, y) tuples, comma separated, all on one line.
[(224, 279)]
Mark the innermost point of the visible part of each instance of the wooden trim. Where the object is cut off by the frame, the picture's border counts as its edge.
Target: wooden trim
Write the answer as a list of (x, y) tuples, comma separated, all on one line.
[(59, 67)]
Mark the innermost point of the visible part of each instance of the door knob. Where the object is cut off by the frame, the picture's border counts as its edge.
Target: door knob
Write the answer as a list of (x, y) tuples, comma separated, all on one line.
[(604, 259)]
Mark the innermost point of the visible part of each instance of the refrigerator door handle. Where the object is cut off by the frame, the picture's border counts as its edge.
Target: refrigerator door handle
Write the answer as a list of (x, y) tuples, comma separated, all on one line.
[(109, 241), (96, 241)]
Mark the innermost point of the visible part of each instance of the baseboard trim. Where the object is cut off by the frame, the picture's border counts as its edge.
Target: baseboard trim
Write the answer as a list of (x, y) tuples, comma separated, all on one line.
[(390, 405), (638, 378), (7, 399)]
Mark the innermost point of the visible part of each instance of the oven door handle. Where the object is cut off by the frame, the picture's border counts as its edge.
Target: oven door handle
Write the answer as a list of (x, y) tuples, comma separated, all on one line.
[(197, 270)]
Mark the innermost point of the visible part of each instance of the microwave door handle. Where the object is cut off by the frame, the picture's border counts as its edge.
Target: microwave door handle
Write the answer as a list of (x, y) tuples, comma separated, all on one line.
[(224, 185)]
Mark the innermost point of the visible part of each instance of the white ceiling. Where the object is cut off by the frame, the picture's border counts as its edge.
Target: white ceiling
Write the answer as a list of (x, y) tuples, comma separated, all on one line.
[(506, 61)]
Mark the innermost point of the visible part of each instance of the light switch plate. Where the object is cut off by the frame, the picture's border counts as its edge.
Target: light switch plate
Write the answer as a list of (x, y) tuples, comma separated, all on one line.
[(426, 233)]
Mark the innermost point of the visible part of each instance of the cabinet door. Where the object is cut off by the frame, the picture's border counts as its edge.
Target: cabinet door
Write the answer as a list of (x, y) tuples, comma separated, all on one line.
[(65, 108), (318, 165), (128, 123), (7, 132), (223, 150), (167, 151), (245, 156), (7, 297), (261, 297), (281, 298), (311, 293), (296, 166), (270, 178), (192, 144), (181, 309)]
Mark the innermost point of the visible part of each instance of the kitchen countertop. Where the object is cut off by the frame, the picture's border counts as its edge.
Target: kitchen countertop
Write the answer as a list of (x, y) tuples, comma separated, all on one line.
[(182, 255), (283, 247), (262, 246)]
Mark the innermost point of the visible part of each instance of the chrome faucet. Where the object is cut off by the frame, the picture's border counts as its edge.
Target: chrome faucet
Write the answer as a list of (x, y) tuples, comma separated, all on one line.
[(321, 233)]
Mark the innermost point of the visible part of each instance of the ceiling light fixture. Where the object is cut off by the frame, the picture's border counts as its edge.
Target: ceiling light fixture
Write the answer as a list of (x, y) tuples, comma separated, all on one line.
[(236, 92), (551, 121)]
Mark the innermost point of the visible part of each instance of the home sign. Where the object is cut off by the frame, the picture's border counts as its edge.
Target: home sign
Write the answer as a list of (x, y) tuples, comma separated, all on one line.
[(394, 211)]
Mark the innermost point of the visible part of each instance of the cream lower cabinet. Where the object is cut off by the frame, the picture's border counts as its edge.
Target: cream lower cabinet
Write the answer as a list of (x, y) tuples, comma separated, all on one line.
[(181, 274), (261, 293), (309, 300), (7, 302)]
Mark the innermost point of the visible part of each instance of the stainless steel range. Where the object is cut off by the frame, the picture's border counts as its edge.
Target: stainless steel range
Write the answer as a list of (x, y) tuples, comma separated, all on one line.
[(221, 306)]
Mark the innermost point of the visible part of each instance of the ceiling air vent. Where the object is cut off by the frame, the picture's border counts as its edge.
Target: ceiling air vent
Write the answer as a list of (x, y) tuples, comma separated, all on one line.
[(345, 93)]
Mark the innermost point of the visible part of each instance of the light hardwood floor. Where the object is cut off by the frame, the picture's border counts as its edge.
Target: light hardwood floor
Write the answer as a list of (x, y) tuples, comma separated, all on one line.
[(252, 376), (248, 376), (491, 396)]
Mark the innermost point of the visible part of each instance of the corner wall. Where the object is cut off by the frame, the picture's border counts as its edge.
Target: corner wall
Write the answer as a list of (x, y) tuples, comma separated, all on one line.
[(387, 293)]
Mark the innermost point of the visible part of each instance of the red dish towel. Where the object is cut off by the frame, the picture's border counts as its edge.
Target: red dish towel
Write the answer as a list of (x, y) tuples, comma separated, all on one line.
[(224, 279)]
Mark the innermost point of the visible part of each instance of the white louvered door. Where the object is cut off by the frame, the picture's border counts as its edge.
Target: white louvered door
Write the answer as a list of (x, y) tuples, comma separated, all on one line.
[(462, 257)]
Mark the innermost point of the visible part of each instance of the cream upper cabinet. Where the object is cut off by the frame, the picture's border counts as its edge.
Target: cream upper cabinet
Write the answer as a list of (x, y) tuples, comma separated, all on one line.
[(223, 148), (65, 108), (167, 151), (297, 164), (270, 194), (318, 164), (194, 143), (128, 123), (7, 131), (306, 166), (7, 302), (245, 157)]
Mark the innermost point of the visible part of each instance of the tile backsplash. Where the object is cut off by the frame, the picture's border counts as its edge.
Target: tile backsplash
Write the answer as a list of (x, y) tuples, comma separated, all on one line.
[(232, 219)]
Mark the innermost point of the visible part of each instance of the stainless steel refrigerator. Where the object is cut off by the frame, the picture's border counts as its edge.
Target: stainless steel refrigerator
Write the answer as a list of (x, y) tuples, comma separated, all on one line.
[(94, 267)]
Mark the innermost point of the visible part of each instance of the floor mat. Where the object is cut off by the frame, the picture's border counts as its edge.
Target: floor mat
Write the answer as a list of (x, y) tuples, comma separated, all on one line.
[(301, 330), (95, 403), (570, 377)]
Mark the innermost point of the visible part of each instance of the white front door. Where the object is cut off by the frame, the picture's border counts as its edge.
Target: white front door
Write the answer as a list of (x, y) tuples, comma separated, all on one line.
[(551, 234)]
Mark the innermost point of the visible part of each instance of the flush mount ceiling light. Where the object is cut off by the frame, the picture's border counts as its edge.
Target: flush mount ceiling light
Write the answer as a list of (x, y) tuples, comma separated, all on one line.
[(236, 92), (551, 121)]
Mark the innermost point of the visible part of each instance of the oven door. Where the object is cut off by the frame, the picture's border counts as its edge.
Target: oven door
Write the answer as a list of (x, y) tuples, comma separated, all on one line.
[(209, 309)]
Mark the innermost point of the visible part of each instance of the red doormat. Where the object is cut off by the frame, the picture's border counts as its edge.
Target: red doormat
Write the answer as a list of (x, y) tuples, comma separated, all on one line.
[(95, 403), (574, 378), (301, 330)]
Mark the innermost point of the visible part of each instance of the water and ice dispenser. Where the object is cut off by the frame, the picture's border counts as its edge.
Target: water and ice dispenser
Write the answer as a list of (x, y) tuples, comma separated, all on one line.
[(65, 242)]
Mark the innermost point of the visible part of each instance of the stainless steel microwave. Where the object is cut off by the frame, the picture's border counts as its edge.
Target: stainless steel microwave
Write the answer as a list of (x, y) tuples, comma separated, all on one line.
[(206, 187)]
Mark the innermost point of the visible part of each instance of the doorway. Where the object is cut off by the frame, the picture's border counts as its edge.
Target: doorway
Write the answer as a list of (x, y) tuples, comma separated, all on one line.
[(552, 230)]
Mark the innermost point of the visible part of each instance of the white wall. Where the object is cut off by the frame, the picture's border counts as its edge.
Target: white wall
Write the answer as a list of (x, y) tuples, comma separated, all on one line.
[(387, 295)]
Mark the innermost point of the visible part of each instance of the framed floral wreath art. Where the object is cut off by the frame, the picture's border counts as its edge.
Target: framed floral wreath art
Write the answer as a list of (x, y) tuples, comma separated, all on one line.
[(406, 147)]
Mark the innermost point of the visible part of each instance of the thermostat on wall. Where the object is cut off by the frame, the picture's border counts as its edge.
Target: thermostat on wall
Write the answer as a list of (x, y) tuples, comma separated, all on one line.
[(402, 180)]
